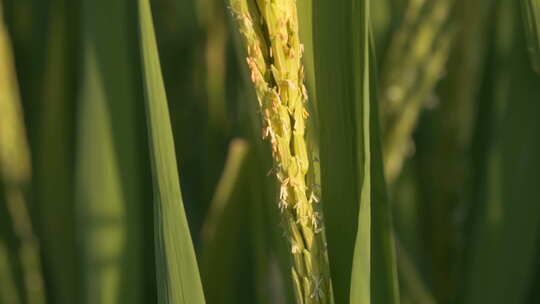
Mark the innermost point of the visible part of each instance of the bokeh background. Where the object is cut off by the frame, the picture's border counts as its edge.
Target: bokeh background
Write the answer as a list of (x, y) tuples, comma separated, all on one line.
[(459, 108)]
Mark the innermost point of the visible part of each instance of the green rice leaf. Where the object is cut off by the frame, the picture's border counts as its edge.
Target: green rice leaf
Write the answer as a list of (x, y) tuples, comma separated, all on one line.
[(176, 266), (343, 91), (384, 280), (351, 165), (342, 146), (361, 272)]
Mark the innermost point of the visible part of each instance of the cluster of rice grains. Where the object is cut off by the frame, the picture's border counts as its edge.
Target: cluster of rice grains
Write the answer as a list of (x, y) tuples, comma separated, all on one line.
[(274, 52)]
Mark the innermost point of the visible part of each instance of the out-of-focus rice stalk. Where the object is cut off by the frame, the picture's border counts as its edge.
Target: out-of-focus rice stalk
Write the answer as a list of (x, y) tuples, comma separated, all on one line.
[(531, 12), (214, 92), (15, 169), (408, 215), (444, 146), (414, 289), (231, 233), (398, 43), (415, 61), (502, 247), (100, 200), (212, 18), (53, 94)]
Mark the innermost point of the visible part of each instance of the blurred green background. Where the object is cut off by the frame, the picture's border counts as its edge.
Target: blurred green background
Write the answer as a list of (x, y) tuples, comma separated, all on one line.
[(460, 115)]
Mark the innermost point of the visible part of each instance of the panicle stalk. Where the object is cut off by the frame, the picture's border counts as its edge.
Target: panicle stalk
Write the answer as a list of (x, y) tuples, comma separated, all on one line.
[(274, 53)]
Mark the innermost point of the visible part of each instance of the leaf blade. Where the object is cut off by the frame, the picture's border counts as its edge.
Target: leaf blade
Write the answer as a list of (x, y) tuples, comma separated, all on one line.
[(351, 165), (339, 64), (176, 266)]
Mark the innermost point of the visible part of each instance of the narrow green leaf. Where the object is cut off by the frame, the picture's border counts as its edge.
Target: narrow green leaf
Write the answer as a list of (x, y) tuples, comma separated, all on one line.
[(361, 271), (360, 241), (337, 60), (176, 266), (384, 280)]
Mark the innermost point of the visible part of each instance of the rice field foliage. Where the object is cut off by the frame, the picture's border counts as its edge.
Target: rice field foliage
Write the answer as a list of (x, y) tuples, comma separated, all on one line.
[(531, 12), (269, 151)]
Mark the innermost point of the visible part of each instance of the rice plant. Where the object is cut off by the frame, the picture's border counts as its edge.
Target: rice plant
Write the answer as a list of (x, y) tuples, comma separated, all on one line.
[(269, 151)]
